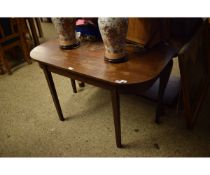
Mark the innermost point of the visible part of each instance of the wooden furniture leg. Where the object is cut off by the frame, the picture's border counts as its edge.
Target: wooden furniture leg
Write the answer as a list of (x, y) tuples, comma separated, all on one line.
[(116, 115), (39, 27), (73, 84), (51, 85), (164, 77), (5, 62), (24, 43), (81, 84), (1, 70), (26, 52), (26, 27), (33, 31)]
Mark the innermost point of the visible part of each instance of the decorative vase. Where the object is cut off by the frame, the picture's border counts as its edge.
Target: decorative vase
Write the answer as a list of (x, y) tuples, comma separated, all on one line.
[(65, 28), (113, 32)]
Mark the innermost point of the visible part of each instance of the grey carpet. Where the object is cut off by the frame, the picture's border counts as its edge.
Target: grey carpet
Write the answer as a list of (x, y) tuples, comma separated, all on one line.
[(29, 125)]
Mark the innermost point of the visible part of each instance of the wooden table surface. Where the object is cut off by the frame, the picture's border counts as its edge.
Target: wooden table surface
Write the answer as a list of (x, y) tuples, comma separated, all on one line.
[(86, 63), (88, 60)]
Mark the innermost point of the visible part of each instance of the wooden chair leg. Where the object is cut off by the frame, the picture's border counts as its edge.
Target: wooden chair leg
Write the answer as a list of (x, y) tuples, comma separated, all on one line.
[(39, 27), (1, 70), (6, 65), (1, 66), (33, 31), (164, 77), (24, 44), (5, 62), (27, 28), (25, 49)]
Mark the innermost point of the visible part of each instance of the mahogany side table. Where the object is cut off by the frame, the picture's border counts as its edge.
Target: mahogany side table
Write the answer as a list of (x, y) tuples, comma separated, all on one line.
[(87, 65)]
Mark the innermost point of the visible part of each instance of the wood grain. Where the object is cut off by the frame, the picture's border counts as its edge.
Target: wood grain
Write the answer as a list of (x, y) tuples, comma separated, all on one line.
[(88, 60)]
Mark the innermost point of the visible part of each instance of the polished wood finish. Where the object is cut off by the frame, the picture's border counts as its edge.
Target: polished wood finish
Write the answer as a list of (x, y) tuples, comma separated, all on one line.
[(88, 61), (86, 64)]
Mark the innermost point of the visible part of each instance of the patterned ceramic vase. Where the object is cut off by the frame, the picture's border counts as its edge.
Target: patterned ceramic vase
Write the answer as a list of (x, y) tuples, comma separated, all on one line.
[(65, 28), (113, 32)]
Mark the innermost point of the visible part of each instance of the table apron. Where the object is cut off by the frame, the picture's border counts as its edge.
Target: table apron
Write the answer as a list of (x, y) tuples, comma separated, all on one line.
[(82, 78), (98, 82)]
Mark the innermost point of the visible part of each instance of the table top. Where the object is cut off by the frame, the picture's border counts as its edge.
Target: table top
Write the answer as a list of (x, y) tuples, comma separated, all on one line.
[(88, 60)]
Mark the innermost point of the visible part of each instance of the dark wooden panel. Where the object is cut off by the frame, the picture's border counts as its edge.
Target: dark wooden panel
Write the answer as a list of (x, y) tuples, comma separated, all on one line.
[(193, 59)]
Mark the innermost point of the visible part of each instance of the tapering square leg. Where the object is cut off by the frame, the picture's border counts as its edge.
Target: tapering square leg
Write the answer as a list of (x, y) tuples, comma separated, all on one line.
[(73, 84), (164, 77), (116, 115), (51, 85)]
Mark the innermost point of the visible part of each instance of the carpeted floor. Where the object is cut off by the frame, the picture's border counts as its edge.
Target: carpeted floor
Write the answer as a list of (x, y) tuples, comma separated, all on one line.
[(29, 125)]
